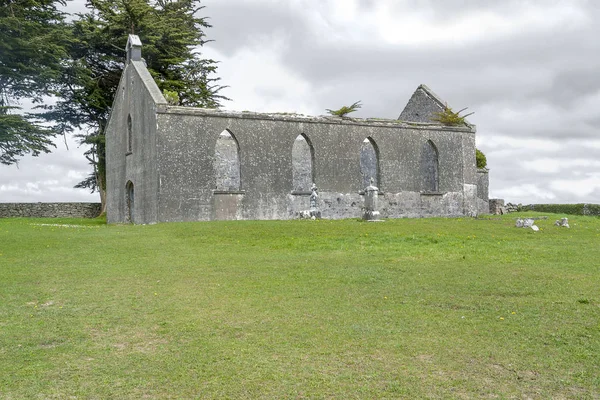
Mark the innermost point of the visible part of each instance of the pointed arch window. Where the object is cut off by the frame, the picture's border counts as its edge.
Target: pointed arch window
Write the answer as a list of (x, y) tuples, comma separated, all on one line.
[(227, 163), (129, 135), (369, 163), (430, 167), (129, 202), (303, 156)]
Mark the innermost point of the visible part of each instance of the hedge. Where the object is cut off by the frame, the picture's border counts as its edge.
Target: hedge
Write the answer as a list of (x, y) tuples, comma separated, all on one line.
[(571, 209)]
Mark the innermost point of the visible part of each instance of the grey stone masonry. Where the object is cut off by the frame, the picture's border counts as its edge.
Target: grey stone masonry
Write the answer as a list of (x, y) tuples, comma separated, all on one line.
[(483, 184), (50, 210), (371, 212), (195, 164), (497, 206)]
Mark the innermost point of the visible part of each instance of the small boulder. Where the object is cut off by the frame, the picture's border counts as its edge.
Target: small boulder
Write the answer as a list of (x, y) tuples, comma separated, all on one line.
[(564, 222)]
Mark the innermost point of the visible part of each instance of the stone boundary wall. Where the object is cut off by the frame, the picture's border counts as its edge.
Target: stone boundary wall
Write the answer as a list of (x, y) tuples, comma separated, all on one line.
[(50, 210)]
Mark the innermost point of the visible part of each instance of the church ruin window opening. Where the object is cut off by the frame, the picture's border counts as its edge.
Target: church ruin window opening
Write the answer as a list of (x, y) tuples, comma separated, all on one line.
[(129, 202), (303, 156), (430, 167), (129, 135), (369, 163), (227, 163)]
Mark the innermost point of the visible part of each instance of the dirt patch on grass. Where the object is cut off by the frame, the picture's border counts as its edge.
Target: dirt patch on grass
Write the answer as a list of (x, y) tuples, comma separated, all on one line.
[(140, 341)]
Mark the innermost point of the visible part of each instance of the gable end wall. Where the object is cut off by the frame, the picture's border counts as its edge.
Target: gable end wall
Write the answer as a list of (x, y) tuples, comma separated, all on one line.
[(137, 96)]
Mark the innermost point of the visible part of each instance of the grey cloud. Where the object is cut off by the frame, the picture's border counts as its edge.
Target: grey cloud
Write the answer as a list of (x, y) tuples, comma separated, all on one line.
[(237, 24), (572, 83), (515, 69), (524, 72), (557, 71)]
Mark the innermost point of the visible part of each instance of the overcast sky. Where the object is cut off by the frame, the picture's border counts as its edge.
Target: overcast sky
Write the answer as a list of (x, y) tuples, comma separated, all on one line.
[(530, 70)]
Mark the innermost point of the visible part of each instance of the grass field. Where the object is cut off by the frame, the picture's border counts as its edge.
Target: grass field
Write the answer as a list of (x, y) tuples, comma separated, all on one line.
[(412, 308)]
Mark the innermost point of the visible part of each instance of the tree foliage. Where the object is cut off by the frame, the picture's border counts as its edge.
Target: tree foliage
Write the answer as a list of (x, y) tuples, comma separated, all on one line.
[(480, 159), (33, 39), (171, 32)]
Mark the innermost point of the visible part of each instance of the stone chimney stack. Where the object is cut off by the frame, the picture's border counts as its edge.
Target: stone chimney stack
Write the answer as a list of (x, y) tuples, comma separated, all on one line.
[(134, 49)]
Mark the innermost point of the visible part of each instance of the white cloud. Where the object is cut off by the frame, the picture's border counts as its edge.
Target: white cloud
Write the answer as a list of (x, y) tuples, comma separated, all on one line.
[(528, 70), (407, 24), (526, 193), (261, 81), (553, 165), (579, 188), (498, 141), (48, 177)]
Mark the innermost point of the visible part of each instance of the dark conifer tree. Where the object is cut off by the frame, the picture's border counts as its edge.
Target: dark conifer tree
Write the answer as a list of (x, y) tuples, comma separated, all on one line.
[(171, 32), (33, 36)]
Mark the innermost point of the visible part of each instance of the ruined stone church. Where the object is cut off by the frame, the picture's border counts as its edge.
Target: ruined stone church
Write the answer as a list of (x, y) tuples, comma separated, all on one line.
[(168, 163)]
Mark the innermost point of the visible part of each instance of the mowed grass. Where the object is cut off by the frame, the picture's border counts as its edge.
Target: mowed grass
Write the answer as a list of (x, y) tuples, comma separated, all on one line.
[(412, 308)]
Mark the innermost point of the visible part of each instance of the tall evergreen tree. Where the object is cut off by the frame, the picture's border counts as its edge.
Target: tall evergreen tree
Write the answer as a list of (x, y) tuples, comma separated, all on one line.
[(171, 32), (33, 35)]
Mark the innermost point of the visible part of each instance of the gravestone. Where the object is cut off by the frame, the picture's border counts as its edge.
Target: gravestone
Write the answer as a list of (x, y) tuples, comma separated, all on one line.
[(564, 222), (371, 203), (314, 211)]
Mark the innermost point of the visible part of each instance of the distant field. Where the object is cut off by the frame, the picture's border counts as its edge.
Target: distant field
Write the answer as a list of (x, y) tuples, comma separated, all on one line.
[(412, 308)]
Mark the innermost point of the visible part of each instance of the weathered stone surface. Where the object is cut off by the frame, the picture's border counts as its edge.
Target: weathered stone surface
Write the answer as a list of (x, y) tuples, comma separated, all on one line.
[(182, 173), (564, 222), (483, 183), (227, 163), (496, 206), (371, 212), (50, 210), (526, 223), (422, 106), (511, 207), (369, 163), (302, 168)]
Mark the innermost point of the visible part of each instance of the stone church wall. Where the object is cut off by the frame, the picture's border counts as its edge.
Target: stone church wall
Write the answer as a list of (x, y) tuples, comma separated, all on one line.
[(199, 177)]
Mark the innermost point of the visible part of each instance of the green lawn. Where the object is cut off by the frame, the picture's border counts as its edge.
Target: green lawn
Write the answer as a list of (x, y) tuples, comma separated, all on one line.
[(412, 308)]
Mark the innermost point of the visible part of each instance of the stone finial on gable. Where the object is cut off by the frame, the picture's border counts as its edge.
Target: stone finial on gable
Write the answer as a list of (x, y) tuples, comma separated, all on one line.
[(134, 48)]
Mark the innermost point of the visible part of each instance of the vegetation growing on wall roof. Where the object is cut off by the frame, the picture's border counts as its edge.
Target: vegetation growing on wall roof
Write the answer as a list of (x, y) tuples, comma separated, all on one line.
[(448, 117), (342, 112)]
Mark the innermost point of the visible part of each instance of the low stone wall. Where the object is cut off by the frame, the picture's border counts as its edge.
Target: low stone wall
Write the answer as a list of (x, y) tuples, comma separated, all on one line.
[(50, 210)]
